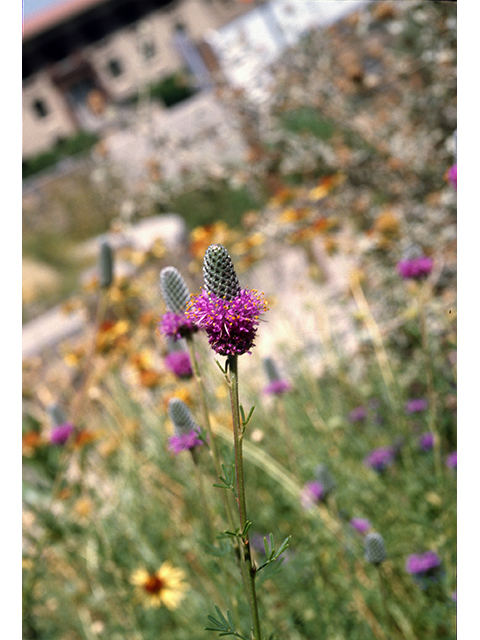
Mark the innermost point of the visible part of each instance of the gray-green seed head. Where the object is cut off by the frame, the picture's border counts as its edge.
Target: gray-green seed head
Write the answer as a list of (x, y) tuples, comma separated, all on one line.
[(106, 265), (323, 475), (56, 414), (181, 416), (219, 273), (271, 370), (174, 290), (375, 548)]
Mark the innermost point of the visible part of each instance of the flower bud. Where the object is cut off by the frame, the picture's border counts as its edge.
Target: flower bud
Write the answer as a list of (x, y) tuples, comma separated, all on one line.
[(375, 548), (106, 265), (181, 416), (174, 290), (219, 273)]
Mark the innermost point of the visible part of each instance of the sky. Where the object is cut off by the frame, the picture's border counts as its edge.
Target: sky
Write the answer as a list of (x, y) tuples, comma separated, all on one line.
[(32, 6)]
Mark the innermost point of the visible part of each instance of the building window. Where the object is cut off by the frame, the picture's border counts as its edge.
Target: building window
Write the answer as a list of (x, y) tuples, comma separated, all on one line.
[(40, 108), (115, 67)]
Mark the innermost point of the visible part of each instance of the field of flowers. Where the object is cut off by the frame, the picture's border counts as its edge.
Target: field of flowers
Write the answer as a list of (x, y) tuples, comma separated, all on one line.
[(256, 436)]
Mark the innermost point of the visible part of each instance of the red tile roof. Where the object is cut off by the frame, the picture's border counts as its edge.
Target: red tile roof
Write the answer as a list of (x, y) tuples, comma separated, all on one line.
[(56, 14)]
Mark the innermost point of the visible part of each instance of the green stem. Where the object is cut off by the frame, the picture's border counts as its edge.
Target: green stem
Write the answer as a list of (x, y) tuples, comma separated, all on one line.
[(208, 425), (242, 507), (432, 420)]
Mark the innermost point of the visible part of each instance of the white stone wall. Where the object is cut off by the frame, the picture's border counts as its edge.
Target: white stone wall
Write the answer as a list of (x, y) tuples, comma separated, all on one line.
[(40, 132)]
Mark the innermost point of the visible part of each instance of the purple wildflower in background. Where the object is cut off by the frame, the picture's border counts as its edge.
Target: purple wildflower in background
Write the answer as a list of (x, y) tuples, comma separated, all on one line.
[(422, 563), (362, 525), (426, 441), (184, 441), (178, 362), (358, 414), (312, 493), (415, 268), (61, 433), (176, 326), (277, 387), (451, 461), (380, 458), (416, 405), (231, 325), (452, 175)]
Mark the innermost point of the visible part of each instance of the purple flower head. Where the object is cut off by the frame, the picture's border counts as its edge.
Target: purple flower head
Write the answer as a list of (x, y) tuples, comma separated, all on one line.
[(312, 493), (187, 432), (231, 325), (416, 405), (277, 387), (422, 563), (452, 175), (360, 524), (452, 460), (184, 441), (379, 459), (176, 326), (415, 268), (178, 362), (358, 414), (61, 433), (426, 441), (230, 315)]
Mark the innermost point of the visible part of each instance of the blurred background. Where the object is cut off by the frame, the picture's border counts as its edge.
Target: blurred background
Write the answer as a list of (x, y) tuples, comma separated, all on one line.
[(316, 140)]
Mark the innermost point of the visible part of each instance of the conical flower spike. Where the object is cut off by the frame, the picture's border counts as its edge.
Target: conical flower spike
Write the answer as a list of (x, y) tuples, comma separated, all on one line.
[(375, 548), (187, 432), (271, 369), (181, 416), (106, 265), (219, 273), (174, 290), (323, 475)]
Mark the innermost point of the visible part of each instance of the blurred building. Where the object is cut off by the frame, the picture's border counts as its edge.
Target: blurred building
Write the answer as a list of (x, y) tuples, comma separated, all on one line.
[(80, 56)]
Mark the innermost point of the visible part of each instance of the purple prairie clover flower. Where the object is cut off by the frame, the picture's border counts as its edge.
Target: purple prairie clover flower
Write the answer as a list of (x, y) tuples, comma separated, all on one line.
[(277, 387), (380, 458), (452, 175), (415, 268), (416, 405), (61, 433), (358, 414), (187, 432), (422, 563), (312, 493), (176, 326), (451, 461), (178, 362), (229, 315), (184, 441), (231, 325), (426, 441), (362, 525)]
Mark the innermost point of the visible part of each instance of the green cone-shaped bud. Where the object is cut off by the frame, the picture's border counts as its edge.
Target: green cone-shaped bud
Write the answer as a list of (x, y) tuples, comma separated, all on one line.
[(106, 265), (323, 475), (181, 416), (375, 548), (56, 414), (271, 369), (174, 290), (219, 273)]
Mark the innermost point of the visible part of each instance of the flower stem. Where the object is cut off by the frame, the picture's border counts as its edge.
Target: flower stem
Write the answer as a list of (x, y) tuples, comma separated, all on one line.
[(428, 363), (250, 568)]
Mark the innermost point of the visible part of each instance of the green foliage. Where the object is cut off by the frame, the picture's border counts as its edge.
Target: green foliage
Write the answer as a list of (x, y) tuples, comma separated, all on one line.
[(80, 143), (308, 120), (173, 89), (212, 202)]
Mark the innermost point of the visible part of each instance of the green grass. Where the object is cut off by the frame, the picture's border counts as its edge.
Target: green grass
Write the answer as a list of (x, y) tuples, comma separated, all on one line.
[(308, 120), (215, 201)]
